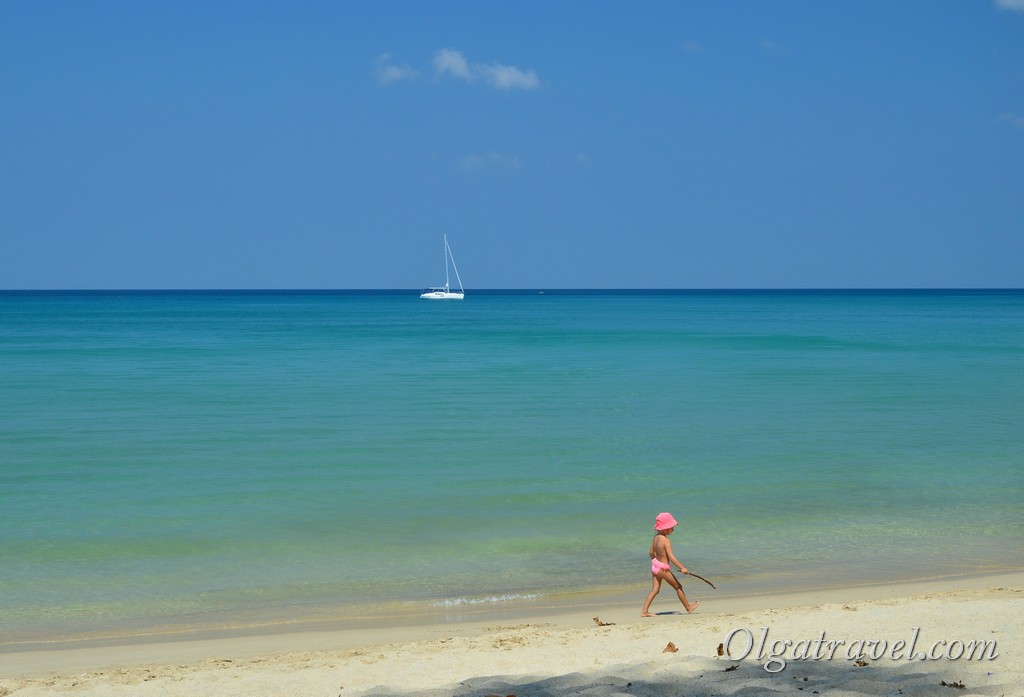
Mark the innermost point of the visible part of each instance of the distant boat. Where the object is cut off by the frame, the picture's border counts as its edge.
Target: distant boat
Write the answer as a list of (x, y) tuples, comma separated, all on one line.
[(446, 293)]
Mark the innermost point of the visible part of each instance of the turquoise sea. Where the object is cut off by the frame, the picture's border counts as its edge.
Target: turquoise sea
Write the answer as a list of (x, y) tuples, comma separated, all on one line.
[(176, 460)]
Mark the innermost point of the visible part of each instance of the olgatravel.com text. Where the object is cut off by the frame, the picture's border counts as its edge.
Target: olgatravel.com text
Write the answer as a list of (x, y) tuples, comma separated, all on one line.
[(741, 643)]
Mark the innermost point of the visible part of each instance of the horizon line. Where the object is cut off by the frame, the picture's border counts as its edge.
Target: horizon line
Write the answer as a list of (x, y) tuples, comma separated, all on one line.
[(535, 289)]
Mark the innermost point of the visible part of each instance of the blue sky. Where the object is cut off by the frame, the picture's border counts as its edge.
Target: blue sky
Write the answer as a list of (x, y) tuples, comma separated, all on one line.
[(559, 145)]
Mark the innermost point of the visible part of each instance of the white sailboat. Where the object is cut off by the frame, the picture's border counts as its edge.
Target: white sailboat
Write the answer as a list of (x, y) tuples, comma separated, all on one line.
[(446, 293)]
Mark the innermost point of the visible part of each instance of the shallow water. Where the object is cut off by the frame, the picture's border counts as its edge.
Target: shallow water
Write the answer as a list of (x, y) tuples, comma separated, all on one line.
[(192, 459)]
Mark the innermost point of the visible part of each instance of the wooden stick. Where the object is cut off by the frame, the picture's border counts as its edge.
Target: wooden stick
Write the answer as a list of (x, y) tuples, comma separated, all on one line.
[(690, 573)]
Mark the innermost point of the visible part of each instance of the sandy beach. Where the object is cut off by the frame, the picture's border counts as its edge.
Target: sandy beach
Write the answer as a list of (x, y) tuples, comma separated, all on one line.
[(957, 636)]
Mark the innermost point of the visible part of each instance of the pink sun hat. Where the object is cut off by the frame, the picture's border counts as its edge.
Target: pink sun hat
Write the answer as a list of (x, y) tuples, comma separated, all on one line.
[(664, 521)]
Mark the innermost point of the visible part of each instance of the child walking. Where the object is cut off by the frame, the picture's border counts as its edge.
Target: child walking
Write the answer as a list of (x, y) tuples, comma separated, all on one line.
[(661, 560)]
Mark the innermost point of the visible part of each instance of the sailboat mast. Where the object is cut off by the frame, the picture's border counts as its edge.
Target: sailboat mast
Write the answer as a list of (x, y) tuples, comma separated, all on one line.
[(446, 263), (448, 251)]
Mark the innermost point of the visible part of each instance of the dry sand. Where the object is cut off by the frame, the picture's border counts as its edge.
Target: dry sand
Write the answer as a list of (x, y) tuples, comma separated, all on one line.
[(570, 654)]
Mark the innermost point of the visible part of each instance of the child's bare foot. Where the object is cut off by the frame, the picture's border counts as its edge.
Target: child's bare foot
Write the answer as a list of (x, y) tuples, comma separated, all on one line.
[(692, 607), (646, 614)]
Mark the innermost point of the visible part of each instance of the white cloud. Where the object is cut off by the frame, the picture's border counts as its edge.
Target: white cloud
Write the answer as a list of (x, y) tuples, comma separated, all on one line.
[(1017, 5), (492, 160), (508, 77), (448, 61), (472, 162), (388, 73), (770, 46), (1014, 120), (505, 77)]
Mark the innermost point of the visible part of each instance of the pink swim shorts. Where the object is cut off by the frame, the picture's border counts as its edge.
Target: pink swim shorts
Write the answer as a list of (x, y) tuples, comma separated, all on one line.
[(657, 566)]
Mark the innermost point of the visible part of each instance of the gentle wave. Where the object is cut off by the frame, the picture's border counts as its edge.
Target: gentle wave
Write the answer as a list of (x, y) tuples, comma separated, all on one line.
[(456, 602)]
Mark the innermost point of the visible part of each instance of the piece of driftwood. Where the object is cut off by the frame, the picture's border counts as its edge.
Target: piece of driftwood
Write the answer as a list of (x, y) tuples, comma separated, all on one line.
[(690, 573)]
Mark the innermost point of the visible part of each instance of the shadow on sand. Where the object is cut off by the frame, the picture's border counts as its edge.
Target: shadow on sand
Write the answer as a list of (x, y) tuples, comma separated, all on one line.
[(697, 677)]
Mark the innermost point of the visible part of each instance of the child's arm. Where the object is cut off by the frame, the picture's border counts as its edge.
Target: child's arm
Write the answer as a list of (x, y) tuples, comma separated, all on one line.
[(672, 557)]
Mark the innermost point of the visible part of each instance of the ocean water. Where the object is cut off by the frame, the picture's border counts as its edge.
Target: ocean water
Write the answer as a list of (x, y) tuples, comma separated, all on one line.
[(187, 460)]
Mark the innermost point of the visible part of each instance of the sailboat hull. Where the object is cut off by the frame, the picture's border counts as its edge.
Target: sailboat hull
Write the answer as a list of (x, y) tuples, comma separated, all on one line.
[(442, 295)]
